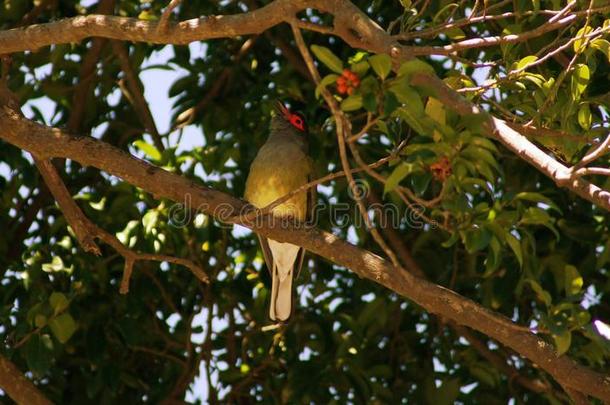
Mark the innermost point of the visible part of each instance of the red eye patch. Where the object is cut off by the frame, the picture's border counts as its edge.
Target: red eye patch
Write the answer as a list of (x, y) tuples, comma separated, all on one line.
[(297, 121)]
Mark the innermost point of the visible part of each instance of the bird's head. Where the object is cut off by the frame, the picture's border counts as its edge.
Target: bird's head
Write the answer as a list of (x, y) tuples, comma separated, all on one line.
[(285, 119)]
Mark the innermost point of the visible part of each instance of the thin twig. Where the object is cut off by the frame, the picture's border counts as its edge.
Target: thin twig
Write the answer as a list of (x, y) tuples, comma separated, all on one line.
[(268, 208), (491, 41), (134, 91), (164, 20), (369, 123), (86, 231), (342, 128), (589, 171), (596, 153)]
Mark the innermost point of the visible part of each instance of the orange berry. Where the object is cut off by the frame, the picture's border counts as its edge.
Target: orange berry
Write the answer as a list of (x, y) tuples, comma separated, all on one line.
[(346, 73), (350, 90)]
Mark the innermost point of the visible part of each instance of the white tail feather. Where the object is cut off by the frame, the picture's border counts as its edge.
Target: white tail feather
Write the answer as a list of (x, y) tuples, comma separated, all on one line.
[(284, 258)]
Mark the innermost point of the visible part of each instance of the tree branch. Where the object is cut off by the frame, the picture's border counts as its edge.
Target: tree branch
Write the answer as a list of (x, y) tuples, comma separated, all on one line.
[(135, 94), (17, 387), (75, 217), (52, 142), (492, 41)]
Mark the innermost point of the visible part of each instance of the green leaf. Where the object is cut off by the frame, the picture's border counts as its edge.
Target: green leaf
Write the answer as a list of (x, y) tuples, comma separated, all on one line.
[(601, 45), (584, 117), (40, 320), (400, 172), (390, 103), (537, 198), (328, 58), (455, 33), (420, 182), (477, 155), (325, 82), (445, 12), (39, 353), (57, 264), (410, 67), (563, 342), (381, 64), (407, 95), (477, 239), (484, 373), (451, 241), (580, 80), (360, 68), (515, 245), (537, 216), (525, 61), (369, 102), (148, 149), (412, 119), (58, 302), (147, 15), (541, 293), (352, 103), (63, 327), (150, 220), (579, 42), (573, 280)]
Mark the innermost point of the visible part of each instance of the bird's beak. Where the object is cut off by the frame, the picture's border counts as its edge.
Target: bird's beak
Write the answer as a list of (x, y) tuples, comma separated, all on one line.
[(281, 109)]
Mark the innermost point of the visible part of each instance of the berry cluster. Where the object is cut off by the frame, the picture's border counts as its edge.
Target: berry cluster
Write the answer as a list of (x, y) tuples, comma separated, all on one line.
[(347, 82), (441, 169)]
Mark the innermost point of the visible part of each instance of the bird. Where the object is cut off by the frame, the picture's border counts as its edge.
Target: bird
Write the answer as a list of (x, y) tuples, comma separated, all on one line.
[(282, 165)]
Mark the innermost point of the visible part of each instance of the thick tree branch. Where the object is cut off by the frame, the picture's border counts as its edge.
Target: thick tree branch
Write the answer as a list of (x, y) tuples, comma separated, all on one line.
[(350, 23), (52, 142), (20, 389)]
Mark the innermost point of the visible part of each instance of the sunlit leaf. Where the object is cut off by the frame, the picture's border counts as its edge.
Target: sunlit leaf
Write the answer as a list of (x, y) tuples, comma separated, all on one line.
[(327, 57), (584, 116), (352, 103), (573, 280), (580, 80), (148, 149), (381, 64)]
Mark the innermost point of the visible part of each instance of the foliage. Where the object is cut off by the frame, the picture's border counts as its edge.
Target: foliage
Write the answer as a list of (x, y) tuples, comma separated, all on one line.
[(477, 218)]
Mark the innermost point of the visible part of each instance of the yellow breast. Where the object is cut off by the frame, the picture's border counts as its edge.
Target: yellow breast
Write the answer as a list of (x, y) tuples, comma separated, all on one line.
[(277, 170)]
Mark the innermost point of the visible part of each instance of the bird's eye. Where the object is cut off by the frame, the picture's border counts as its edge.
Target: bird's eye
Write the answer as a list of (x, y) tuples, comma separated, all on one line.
[(297, 122)]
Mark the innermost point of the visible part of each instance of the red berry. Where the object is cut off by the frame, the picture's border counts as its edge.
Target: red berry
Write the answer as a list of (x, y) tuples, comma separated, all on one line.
[(341, 81), (346, 73)]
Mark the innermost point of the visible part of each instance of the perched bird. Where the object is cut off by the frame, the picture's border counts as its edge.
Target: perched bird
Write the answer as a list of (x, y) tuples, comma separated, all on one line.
[(281, 166)]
